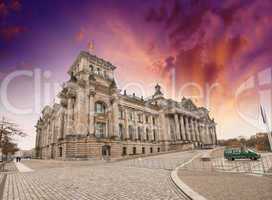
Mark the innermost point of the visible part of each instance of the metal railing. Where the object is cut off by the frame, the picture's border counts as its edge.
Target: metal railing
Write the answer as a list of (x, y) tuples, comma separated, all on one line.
[(261, 166)]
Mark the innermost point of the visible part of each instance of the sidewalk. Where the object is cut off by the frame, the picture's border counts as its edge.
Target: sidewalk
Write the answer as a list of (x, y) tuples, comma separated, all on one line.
[(231, 186), (22, 168)]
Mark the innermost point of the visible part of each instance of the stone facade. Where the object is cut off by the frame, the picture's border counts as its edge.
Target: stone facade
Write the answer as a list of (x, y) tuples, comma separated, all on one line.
[(94, 120)]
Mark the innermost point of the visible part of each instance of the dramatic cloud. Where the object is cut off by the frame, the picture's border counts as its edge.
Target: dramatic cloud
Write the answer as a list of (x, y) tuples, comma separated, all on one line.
[(3, 9), (11, 32), (207, 37), (15, 5), (7, 7)]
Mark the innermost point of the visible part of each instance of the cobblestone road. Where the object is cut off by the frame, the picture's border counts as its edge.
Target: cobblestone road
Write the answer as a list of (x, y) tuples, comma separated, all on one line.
[(146, 178)]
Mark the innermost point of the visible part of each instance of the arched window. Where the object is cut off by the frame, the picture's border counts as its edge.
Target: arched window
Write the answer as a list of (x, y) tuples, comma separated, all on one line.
[(139, 133), (143, 150), (146, 119), (154, 135), (134, 150), (100, 108), (60, 152), (100, 130), (121, 131), (130, 131), (147, 134), (154, 120), (98, 71), (124, 153)]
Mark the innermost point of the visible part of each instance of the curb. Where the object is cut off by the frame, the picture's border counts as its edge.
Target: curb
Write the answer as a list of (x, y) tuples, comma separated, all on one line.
[(182, 186)]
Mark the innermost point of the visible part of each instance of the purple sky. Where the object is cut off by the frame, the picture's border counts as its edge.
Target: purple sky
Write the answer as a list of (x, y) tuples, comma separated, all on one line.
[(206, 43)]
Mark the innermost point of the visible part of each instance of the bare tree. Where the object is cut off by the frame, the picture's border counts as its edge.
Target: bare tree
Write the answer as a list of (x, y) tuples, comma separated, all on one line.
[(7, 132)]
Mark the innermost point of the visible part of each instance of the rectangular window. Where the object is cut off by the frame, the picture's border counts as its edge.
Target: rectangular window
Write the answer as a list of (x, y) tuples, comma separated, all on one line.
[(146, 119), (121, 114), (134, 151), (124, 151), (130, 116), (154, 120), (140, 118), (99, 108), (60, 151), (154, 135), (100, 130)]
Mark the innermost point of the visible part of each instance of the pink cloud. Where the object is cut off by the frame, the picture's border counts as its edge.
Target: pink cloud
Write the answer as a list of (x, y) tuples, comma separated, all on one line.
[(15, 5), (3, 9)]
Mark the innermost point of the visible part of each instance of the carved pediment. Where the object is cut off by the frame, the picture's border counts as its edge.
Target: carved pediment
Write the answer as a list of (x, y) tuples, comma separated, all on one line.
[(47, 111), (188, 104)]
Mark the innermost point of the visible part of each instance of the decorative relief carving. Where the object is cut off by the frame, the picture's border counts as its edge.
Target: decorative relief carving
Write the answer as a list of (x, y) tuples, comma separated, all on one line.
[(188, 104), (71, 93)]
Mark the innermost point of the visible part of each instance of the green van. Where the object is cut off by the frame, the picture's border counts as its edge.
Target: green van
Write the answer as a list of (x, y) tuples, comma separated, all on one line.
[(237, 153)]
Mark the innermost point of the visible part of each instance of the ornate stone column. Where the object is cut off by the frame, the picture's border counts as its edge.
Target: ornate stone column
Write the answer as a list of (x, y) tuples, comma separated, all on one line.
[(177, 127), (202, 133), (162, 127), (115, 112), (187, 128), (207, 133), (43, 135), (212, 135), (62, 124), (151, 128), (126, 124), (197, 131), (182, 128), (70, 115), (168, 128), (48, 133), (53, 131), (215, 135), (193, 129), (81, 109), (91, 114)]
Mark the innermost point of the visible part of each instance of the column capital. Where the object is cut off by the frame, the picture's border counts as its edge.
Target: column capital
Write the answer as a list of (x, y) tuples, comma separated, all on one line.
[(71, 93), (91, 93)]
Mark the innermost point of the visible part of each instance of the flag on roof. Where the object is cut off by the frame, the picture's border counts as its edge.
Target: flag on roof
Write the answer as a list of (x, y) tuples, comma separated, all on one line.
[(263, 114), (90, 45)]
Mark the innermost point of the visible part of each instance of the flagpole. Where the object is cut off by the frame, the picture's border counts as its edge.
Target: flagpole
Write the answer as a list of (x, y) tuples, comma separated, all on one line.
[(267, 127), (269, 136)]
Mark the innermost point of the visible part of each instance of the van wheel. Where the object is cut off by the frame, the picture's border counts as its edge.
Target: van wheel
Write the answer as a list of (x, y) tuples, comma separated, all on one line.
[(232, 159), (255, 159)]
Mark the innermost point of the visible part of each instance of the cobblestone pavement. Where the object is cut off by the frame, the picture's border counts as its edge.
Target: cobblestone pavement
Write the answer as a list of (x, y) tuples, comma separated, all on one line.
[(45, 164), (118, 180), (10, 167), (166, 161)]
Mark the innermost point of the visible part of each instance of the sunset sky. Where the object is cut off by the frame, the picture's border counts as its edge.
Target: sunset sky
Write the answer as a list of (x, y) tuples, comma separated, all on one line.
[(219, 53)]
